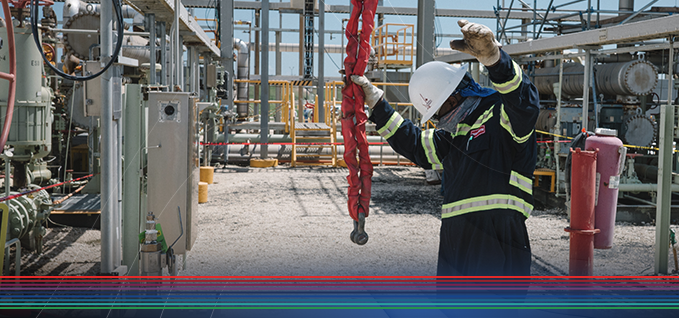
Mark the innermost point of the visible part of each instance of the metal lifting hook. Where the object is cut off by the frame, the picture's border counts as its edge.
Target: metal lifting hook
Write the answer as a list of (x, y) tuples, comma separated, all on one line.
[(358, 235)]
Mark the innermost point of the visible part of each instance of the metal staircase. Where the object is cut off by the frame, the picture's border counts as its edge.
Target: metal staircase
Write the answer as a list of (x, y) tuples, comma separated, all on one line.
[(314, 143)]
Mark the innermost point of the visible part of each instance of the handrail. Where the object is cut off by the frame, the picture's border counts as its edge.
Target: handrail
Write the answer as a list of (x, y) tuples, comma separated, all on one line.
[(394, 44)]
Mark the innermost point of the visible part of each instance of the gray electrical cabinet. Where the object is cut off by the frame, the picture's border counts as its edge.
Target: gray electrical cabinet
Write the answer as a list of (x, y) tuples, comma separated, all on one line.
[(173, 168)]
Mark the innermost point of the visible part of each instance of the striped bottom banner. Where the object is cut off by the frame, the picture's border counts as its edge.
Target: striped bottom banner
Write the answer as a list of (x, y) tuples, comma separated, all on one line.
[(346, 296)]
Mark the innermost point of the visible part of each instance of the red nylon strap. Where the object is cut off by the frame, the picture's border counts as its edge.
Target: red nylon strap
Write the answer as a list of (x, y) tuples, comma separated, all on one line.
[(354, 117)]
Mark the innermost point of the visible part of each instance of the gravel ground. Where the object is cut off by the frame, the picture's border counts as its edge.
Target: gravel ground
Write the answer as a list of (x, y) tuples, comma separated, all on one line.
[(284, 221)]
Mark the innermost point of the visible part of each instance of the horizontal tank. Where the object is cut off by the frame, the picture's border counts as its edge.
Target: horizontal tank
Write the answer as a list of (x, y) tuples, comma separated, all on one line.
[(633, 78)]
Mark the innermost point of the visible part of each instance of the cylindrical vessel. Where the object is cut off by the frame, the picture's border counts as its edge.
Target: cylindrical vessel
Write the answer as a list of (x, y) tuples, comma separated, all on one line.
[(31, 130), (202, 192), (583, 197), (636, 77), (207, 174), (610, 160)]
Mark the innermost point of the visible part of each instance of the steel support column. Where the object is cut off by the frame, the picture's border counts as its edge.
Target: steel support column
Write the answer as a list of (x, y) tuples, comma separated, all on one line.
[(308, 39), (663, 209), (264, 118), (110, 231), (320, 92), (425, 32)]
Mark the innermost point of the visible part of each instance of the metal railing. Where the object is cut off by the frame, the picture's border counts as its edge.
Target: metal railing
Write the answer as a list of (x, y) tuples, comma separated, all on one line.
[(394, 48)]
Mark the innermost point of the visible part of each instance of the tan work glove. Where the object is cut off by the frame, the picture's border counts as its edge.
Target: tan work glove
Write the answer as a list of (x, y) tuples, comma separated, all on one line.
[(372, 93), (479, 42)]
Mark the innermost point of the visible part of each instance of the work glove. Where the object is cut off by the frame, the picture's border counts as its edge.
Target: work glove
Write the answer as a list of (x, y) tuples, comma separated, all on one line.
[(479, 42), (372, 93)]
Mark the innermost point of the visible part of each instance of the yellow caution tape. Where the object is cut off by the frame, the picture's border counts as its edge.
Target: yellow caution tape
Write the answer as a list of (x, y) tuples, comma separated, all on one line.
[(627, 146)]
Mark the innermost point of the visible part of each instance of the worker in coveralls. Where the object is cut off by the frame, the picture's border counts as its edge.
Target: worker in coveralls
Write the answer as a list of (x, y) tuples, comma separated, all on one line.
[(484, 142)]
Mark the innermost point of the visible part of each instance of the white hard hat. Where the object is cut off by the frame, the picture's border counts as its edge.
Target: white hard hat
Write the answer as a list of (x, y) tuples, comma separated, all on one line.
[(431, 84)]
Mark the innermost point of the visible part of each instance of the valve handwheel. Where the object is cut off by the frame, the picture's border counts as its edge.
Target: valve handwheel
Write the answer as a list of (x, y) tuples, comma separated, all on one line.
[(11, 76)]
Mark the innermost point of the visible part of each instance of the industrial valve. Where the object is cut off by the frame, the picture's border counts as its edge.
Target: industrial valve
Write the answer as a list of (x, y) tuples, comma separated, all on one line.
[(155, 254)]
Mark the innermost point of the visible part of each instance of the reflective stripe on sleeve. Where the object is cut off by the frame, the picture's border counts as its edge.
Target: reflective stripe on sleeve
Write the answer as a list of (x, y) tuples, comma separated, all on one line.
[(430, 149), (511, 85), (392, 125), (485, 203), (507, 125), (521, 182)]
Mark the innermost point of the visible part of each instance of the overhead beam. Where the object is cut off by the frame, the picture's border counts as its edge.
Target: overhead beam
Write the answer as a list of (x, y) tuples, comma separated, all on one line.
[(164, 11), (285, 6), (631, 32)]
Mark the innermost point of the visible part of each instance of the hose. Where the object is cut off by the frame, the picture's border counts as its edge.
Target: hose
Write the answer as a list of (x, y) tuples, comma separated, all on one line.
[(11, 76), (117, 6)]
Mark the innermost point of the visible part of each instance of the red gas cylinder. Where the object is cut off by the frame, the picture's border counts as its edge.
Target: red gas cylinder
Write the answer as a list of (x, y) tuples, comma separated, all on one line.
[(610, 162), (583, 197)]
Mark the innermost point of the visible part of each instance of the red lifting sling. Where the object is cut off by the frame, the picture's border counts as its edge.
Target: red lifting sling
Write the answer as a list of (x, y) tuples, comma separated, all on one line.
[(354, 117)]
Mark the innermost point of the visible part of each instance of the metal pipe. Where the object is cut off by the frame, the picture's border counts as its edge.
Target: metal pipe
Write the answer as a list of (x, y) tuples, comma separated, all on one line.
[(163, 53), (339, 49), (171, 76), (280, 138), (8, 170), (625, 7), (193, 70), (84, 31), (265, 78), (557, 145), (638, 200), (243, 73), (644, 187), (640, 11), (108, 194), (180, 64), (117, 179), (663, 210), (151, 20), (585, 86), (177, 45), (226, 52)]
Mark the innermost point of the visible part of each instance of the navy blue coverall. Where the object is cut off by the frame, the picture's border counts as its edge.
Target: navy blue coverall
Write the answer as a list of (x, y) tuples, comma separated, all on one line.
[(488, 166)]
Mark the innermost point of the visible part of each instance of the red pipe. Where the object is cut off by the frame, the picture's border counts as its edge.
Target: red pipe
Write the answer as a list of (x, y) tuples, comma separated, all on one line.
[(583, 200), (11, 77)]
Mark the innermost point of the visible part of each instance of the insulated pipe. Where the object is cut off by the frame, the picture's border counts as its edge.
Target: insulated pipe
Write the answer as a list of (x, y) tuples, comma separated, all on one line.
[(583, 198), (243, 73), (110, 235), (143, 55)]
